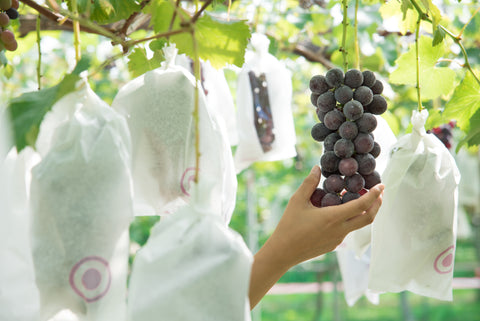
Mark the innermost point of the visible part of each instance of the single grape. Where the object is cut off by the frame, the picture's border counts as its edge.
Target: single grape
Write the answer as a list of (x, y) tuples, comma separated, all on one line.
[(376, 150), (368, 78), (334, 184), (354, 183), (326, 174), (5, 4), (349, 196), (314, 98), (11, 46), (344, 148), (353, 78), (353, 110), (372, 179), (348, 166), (363, 94), (378, 105), (318, 84), (366, 163), (334, 77), (329, 162), (330, 141), (15, 4), (326, 101), (319, 132), (7, 36), (363, 143), (331, 199), (343, 94), (333, 119), (367, 123), (317, 197), (348, 130), (377, 87), (4, 19), (320, 114), (12, 13)]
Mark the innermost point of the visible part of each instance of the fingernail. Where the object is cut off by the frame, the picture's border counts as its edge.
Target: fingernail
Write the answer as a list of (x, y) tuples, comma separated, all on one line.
[(315, 170), (380, 187)]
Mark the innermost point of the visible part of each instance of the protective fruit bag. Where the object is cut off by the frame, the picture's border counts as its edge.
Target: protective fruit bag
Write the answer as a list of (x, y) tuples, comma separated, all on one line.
[(264, 114), (414, 233), (192, 268), (18, 292), (81, 204), (159, 109), (354, 253)]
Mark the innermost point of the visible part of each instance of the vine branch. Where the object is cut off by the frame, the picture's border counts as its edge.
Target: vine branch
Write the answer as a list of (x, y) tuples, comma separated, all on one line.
[(417, 61), (343, 48), (39, 63), (357, 48)]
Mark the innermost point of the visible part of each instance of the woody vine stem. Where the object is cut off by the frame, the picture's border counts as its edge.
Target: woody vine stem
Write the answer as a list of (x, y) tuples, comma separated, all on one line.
[(343, 48)]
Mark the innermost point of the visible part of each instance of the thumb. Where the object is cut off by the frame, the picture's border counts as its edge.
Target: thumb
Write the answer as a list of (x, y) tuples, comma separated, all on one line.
[(310, 183)]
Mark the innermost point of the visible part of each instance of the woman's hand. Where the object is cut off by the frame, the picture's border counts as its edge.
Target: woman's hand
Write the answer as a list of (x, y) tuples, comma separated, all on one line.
[(306, 231)]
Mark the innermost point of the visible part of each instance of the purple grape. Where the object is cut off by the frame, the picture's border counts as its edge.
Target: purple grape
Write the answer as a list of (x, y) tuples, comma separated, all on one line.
[(378, 105), (344, 148), (348, 166), (372, 179), (363, 94), (314, 98), (368, 78), (329, 162), (367, 123), (318, 84), (326, 101), (333, 119), (366, 163), (349, 196), (330, 141), (319, 132), (326, 174), (334, 77), (320, 114), (376, 150), (353, 78), (377, 87), (363, 143), (348, 130), (12, 13), (334, 184), (331, 199), (354, 183), (353, 110), (343, 94), (317, 197)]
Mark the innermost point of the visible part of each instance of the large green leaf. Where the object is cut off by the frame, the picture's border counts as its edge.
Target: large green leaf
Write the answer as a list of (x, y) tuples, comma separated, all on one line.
[(139, 63), (434, 81), (220, 42), (107, 11), (162, 13), (28, 110), (400, 12)]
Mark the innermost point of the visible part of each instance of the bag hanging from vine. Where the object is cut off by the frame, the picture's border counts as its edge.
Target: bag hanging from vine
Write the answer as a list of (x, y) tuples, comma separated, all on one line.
[(81, 204), (414, 233), (264, 115), (159, 109)]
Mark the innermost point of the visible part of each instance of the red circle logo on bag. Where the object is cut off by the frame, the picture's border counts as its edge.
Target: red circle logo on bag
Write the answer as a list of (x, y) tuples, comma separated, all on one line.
[(90, 278), (187, 178), (444, 261)]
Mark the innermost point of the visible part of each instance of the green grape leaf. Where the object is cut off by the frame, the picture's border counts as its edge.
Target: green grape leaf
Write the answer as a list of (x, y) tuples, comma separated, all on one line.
[(139, 63), (220, 42), (438, 36), (434, 81), (107, 11), (28, 110), (464, 104), (162, 13), (402, 13)]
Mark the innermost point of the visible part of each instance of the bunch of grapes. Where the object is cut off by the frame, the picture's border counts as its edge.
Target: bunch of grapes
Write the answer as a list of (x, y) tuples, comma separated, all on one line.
[(444, 133), (346, 105), (8, 11)]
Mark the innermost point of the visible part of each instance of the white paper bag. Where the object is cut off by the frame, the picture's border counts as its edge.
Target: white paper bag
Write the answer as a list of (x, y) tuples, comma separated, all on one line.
[(18, 292), (81, 203), (192, 268), (159, 109), (264, 114), (414, 232)]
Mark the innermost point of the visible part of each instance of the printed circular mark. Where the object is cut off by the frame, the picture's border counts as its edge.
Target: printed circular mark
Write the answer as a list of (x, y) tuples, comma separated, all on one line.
[(187, 178), (444, 261), (90, 278)]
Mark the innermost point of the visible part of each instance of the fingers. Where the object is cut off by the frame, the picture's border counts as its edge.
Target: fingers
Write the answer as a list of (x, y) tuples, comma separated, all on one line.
[(309, 184), (362, 204), (366, 217)]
